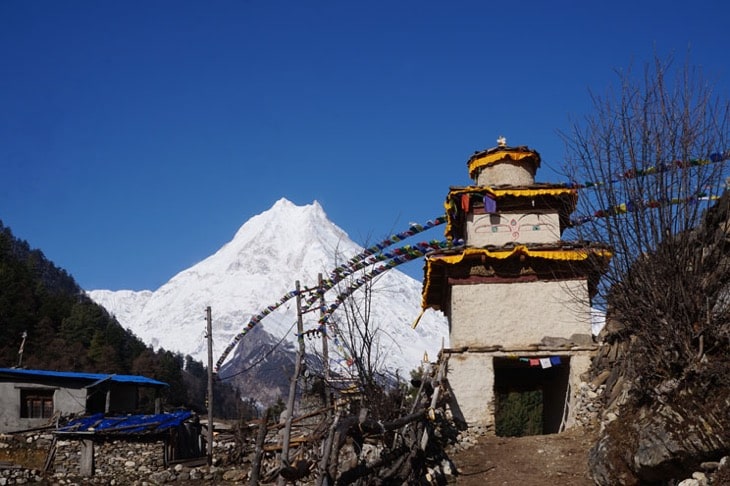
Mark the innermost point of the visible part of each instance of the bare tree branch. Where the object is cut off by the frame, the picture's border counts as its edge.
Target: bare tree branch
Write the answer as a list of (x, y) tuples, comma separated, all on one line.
[(653, 154)]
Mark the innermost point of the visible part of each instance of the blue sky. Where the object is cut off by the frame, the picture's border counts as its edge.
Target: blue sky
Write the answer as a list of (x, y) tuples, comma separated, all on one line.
[(136, 137)]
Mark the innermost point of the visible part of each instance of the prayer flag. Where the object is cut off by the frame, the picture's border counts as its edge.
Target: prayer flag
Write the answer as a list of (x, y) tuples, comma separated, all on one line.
[(465, 202), (490, 205)]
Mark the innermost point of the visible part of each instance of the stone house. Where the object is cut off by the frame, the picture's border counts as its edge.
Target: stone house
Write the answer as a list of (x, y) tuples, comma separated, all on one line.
[(31, 398), (517, 297)]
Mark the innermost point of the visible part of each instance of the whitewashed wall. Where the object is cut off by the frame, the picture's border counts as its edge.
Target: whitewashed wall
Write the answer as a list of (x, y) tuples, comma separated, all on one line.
[(471, 378), (518, 313)]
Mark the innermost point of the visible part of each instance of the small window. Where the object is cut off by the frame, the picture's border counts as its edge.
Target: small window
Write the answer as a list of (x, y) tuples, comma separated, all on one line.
[(36, 403)]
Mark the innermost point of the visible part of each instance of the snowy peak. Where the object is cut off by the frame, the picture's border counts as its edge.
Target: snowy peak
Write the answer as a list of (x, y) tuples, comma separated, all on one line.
[(285, 220), (286, 235), (287, 240), (262, 262)]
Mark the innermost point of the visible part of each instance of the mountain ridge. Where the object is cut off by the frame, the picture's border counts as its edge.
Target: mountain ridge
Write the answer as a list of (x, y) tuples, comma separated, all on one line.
[(262, 262)]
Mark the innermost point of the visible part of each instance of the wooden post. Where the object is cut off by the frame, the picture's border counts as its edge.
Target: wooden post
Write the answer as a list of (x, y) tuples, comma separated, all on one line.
[(434, 402), (87, 458), (259, 452), (325, 349), (209, 333), (294, 379), (22, 346), (326, 451), (51, 455), (335, 454)]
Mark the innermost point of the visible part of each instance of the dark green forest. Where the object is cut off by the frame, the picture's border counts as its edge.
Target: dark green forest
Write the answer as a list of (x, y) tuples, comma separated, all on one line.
[(67, 331)]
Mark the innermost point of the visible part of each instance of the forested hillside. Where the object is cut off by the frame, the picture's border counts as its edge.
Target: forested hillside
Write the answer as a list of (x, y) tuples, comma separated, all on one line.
[(66, 331)]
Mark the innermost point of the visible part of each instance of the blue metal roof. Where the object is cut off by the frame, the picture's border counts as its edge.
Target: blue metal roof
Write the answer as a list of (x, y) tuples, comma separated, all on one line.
[(128, 424), (73, 375)]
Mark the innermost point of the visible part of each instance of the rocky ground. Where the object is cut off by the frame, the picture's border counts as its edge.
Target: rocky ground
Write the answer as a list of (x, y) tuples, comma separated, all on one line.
[(547, 459), (541, 459), (560, 459)]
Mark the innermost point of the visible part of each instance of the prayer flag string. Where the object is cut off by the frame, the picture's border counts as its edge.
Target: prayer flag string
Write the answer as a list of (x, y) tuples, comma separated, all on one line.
[(395, 258), (367, 257), (713, 158), (638, 205), (375, 254)]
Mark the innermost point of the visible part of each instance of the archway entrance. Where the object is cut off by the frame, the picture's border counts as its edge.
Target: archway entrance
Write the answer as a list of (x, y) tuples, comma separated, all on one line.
[(530, 394)]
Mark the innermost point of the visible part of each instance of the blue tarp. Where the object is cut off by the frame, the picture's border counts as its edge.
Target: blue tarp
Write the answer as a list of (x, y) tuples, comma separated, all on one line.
[(73, 375), (128, 424)]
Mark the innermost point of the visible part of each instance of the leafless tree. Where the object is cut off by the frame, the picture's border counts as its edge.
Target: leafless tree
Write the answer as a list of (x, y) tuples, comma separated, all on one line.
[(363, 340), (356, 339), (652, 159), (361, 333)]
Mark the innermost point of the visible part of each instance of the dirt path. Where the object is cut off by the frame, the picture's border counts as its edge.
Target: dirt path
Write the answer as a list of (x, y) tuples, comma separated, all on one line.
[(557, 459)]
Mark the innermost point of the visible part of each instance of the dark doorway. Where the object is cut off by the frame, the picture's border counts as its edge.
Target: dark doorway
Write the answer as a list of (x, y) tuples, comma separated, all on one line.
[(530, 395)]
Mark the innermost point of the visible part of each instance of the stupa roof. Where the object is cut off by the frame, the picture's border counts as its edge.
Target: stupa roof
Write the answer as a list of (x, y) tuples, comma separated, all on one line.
[(499, 154), (514, 262)]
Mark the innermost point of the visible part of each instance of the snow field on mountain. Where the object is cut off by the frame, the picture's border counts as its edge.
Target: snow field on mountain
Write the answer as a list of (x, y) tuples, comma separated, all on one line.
[(260, 265)]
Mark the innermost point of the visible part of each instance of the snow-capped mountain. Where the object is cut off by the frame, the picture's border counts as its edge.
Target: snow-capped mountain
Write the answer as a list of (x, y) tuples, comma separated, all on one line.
[(259, 266)]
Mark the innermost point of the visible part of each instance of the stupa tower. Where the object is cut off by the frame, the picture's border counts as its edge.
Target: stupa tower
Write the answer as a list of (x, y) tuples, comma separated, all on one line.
[(517, 297)]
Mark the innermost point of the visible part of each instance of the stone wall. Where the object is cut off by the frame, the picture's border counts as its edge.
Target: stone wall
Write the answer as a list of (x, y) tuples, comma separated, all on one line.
[(112, 459), (116, 463)]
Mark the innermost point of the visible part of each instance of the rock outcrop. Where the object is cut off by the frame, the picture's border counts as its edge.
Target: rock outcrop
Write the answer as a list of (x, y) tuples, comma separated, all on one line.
[(660, 425)]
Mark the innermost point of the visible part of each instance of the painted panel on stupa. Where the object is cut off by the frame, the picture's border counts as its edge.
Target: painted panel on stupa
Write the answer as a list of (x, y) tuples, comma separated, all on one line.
[(501, 228)]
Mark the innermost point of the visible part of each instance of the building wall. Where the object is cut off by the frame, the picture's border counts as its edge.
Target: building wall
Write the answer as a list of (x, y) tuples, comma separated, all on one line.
[(471, 378), (65, 400), (518, 313), (10, 408), (70, 400), (500, 229)]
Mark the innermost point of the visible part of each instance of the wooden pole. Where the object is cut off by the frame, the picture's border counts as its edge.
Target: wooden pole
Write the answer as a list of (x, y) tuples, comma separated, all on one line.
[(259, 452), (335, 453), (51, 455), (323, 479), (108, 400), (294, 379), (434, 401), (87, 458), (209, 335), (20, 351), (325, 349)]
